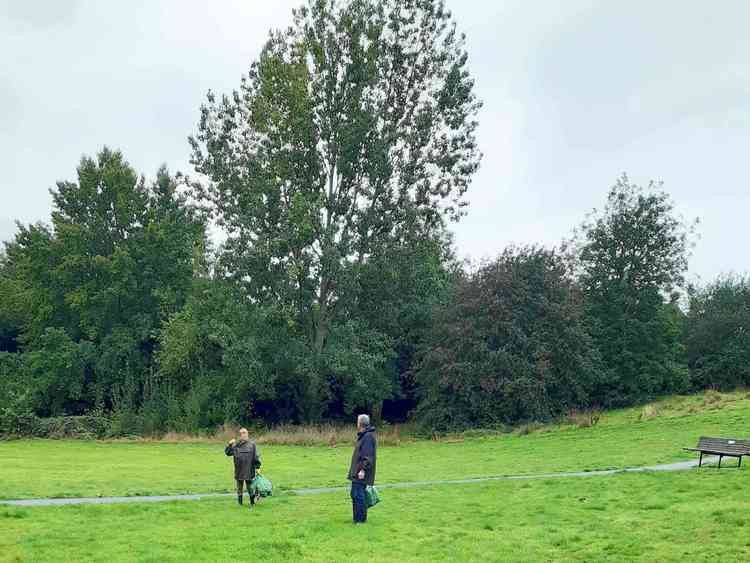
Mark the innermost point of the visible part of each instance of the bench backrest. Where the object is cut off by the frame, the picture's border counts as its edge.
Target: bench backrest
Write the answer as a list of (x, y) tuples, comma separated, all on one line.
[(729, 445)]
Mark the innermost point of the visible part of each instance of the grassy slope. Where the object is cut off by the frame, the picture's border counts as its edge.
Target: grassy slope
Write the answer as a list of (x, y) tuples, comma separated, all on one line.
[(630, 437), (686, 516)]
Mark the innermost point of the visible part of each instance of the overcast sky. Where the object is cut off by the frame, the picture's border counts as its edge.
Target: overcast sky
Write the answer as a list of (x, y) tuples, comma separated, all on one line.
[(575, 93)]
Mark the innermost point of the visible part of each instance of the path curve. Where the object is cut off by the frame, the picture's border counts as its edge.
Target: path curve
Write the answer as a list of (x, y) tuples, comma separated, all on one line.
[(679, 466)]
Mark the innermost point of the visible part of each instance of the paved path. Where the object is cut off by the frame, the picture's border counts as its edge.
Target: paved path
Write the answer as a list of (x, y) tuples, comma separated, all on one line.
[(679, 466)]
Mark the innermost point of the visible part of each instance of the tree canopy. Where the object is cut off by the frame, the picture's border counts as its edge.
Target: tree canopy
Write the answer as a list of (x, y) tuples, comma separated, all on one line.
[(632, 255), (511, 346), (335, 170), (353, 132), (717, 333)]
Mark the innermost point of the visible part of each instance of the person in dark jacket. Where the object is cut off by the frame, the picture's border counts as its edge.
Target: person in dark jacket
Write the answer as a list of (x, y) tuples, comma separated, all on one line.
[(362, 468), (246, 461)]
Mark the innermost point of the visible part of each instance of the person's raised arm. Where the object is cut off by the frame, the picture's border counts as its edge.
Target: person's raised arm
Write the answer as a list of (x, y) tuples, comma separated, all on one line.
[(229, 450)]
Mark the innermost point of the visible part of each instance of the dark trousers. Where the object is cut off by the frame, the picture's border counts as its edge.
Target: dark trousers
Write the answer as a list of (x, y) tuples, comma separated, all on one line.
[(359, 502), (240, 485)]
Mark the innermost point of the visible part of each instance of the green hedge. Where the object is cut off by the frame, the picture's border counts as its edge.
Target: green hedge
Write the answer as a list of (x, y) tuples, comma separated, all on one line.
[(29, 425)]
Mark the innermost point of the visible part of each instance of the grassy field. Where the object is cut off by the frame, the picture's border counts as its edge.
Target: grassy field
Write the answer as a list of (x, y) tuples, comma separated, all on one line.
[(687, 516), (631, 437)]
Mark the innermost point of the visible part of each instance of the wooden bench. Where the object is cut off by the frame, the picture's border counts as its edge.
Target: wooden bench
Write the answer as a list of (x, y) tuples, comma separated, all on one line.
[(722, 447)]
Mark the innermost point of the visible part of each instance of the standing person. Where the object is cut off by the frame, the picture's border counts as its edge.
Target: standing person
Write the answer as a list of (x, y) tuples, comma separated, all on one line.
[(246, 461), (362, 468)]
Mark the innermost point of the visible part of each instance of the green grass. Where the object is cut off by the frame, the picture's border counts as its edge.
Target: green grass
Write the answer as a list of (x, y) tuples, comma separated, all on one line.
[(693, 515), (688, 516), (630, 437)]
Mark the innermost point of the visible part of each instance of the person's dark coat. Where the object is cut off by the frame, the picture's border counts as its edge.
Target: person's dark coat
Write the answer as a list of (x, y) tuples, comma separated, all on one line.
[(364, 457), (246, 459)]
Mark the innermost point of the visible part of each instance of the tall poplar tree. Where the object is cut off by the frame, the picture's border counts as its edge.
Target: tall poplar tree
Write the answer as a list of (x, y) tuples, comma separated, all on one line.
[(354, 130)]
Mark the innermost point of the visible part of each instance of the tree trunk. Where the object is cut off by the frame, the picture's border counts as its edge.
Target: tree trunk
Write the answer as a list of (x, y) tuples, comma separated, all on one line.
[(313, 407), (377, 412), (321, 322)]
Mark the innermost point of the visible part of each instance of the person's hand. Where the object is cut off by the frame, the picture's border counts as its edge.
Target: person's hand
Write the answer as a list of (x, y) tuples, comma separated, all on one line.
[(361, 474), (232, 441)]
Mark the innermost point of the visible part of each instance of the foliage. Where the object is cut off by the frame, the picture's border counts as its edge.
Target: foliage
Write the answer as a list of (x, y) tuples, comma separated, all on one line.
[(632, 253), (512, 346), (717, 333), (353, 131), (334, 170), (16, 416), (398, 293), (91, 292), (358, 363), (213, 350), (56, 371), (11, 312), (249, 359)]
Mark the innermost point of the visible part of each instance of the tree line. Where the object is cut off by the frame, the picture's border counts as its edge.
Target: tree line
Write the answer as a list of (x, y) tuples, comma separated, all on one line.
[(334, 171)]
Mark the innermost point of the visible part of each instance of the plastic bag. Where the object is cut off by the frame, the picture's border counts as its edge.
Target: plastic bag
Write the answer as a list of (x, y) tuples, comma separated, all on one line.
[(261, 486), (371, 496)]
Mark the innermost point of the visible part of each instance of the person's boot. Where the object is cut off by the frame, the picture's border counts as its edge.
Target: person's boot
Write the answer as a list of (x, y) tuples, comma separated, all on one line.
[(239, 500)]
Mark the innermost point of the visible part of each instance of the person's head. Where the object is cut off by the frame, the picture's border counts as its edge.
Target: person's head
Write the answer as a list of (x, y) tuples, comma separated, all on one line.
[(243, 434), (363, 421)]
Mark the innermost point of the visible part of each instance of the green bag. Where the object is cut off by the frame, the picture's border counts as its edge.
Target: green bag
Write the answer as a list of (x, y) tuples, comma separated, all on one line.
[(371, 496), (261, 486)]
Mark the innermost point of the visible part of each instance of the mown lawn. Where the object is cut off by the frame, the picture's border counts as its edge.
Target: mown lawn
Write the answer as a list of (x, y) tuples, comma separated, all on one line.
[(626, 438), (698, 515)]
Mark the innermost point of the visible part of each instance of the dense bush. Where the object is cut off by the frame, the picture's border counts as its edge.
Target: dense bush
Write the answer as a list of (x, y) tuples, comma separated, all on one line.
[(16, 414), (27, 424), (717, 334), (88, 426), (512, 346)]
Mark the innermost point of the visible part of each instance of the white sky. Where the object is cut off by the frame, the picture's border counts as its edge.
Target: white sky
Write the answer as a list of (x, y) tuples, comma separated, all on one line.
[(575, 91)]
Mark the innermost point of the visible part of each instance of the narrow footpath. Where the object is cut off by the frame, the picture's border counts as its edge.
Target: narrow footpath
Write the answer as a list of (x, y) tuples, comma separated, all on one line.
[(679, 466)]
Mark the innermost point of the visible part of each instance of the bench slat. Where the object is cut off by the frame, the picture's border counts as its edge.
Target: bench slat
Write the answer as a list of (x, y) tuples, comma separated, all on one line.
[(723, 446)]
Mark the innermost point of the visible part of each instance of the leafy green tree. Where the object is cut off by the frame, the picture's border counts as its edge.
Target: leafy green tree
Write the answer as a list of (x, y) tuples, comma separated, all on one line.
[(127, 248), (35, 295), (118, 260), (214, 343), (511, 346), (397, 295), (358, 364), (353, 130), (16, 402), (57, 372), (717, 333), (11, 311), (632, 254)]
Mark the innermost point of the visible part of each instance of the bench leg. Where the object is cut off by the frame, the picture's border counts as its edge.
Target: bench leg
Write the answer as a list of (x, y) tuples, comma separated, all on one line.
[(721, 456), (739, 463), (700, 461)]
